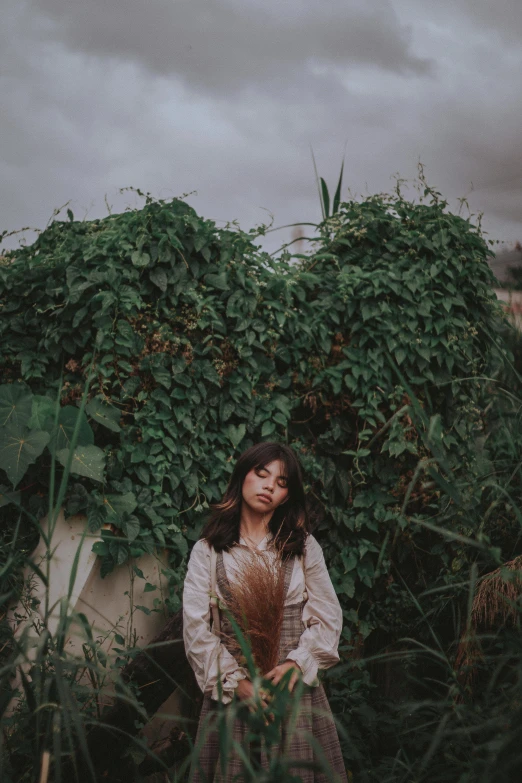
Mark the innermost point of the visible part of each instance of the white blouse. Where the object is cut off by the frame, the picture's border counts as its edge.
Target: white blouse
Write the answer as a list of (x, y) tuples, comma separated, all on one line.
[(322, 615)]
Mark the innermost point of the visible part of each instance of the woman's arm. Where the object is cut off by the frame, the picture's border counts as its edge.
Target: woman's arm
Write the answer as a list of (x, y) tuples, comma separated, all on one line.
[(322, 614), (208, 657)]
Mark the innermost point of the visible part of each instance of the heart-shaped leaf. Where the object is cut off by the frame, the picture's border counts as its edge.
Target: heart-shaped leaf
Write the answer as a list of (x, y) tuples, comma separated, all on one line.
[(236, 434), (42, 413), (105, 414), (66, 423), (96, 517), (88, 461), (140, 259), (19, 448), (118, 505), (15, 404)]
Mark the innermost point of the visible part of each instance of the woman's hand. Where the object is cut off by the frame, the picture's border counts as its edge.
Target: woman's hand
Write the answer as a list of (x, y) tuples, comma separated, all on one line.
[(245, 692), (278, 672)]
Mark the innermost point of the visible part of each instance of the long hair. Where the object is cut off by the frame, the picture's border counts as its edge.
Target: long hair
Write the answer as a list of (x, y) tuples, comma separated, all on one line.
[(289, 524)]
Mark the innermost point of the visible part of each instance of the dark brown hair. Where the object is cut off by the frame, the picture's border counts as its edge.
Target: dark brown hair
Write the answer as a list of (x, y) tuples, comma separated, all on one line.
[(289, 524)]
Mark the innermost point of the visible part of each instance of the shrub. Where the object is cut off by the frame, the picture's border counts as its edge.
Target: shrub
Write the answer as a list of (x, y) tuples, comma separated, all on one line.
[(375, 356)]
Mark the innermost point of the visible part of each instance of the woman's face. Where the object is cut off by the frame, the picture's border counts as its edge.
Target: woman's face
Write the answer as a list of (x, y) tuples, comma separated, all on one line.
[(264, 489)]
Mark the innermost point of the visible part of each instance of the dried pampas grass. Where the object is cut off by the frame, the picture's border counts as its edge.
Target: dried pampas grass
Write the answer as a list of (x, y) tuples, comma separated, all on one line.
[(495, 604), (256, 602)]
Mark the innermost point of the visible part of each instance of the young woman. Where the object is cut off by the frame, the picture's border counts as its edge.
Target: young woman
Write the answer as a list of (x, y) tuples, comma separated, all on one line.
[(264, 509)]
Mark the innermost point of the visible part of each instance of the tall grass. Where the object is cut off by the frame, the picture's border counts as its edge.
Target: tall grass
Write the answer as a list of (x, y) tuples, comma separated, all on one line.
[(45, 720)]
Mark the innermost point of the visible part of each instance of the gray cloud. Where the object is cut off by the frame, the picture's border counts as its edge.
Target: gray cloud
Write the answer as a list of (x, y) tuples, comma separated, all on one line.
[(99, 96), (501, 20), (222, 45)]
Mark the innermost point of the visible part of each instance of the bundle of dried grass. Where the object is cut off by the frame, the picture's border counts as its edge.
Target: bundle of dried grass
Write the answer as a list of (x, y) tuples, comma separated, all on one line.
[(256, 602), (494, 604)]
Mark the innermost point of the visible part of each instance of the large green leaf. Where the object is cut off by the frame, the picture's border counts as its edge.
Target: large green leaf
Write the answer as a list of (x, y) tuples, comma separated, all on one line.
[(42, 412), (15, 404), (66, 423), (88, 461), (105, 414), (19, 448), (119, 505)]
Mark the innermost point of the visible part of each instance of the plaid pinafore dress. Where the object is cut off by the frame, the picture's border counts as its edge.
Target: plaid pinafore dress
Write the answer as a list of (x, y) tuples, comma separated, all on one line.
[(314, 717)]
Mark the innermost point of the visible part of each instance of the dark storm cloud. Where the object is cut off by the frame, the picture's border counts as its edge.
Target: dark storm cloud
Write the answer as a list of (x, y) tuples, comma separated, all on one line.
[(221, 45)]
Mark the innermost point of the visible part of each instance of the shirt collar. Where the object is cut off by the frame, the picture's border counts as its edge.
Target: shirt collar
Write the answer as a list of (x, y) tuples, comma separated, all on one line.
[(263, 544)]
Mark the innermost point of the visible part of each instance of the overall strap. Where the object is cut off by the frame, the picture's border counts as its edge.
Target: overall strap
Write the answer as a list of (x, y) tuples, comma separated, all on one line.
[(222, 578), (305, 591), (289, 570), (216, 624)]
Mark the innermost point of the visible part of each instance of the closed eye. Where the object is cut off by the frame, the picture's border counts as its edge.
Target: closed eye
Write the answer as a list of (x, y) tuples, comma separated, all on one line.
[(281, 480)]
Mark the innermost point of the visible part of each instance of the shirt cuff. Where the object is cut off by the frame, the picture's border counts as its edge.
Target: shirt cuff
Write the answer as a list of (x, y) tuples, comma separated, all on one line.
[(228, 685), (307, 664)]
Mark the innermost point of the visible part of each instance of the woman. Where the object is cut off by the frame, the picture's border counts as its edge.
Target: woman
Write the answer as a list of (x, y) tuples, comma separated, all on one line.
[(264, 510)]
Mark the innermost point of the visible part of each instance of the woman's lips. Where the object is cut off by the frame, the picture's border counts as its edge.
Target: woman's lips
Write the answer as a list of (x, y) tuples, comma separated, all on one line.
[(265, 498)]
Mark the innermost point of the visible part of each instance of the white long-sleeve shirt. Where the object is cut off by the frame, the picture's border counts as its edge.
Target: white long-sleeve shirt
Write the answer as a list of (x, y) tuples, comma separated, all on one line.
[(322, 615)]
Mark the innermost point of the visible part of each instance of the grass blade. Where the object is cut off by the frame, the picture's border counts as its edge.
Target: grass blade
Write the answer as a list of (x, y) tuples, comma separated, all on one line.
[(318, 185), (337, 196), (325, 197)]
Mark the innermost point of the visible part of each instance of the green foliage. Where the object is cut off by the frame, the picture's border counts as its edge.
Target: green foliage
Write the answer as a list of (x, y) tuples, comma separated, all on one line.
[(375, 357), (201, 345), (27, 422)]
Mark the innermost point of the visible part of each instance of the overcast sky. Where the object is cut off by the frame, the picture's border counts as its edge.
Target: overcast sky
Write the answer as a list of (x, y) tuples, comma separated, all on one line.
[(225, 98)]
